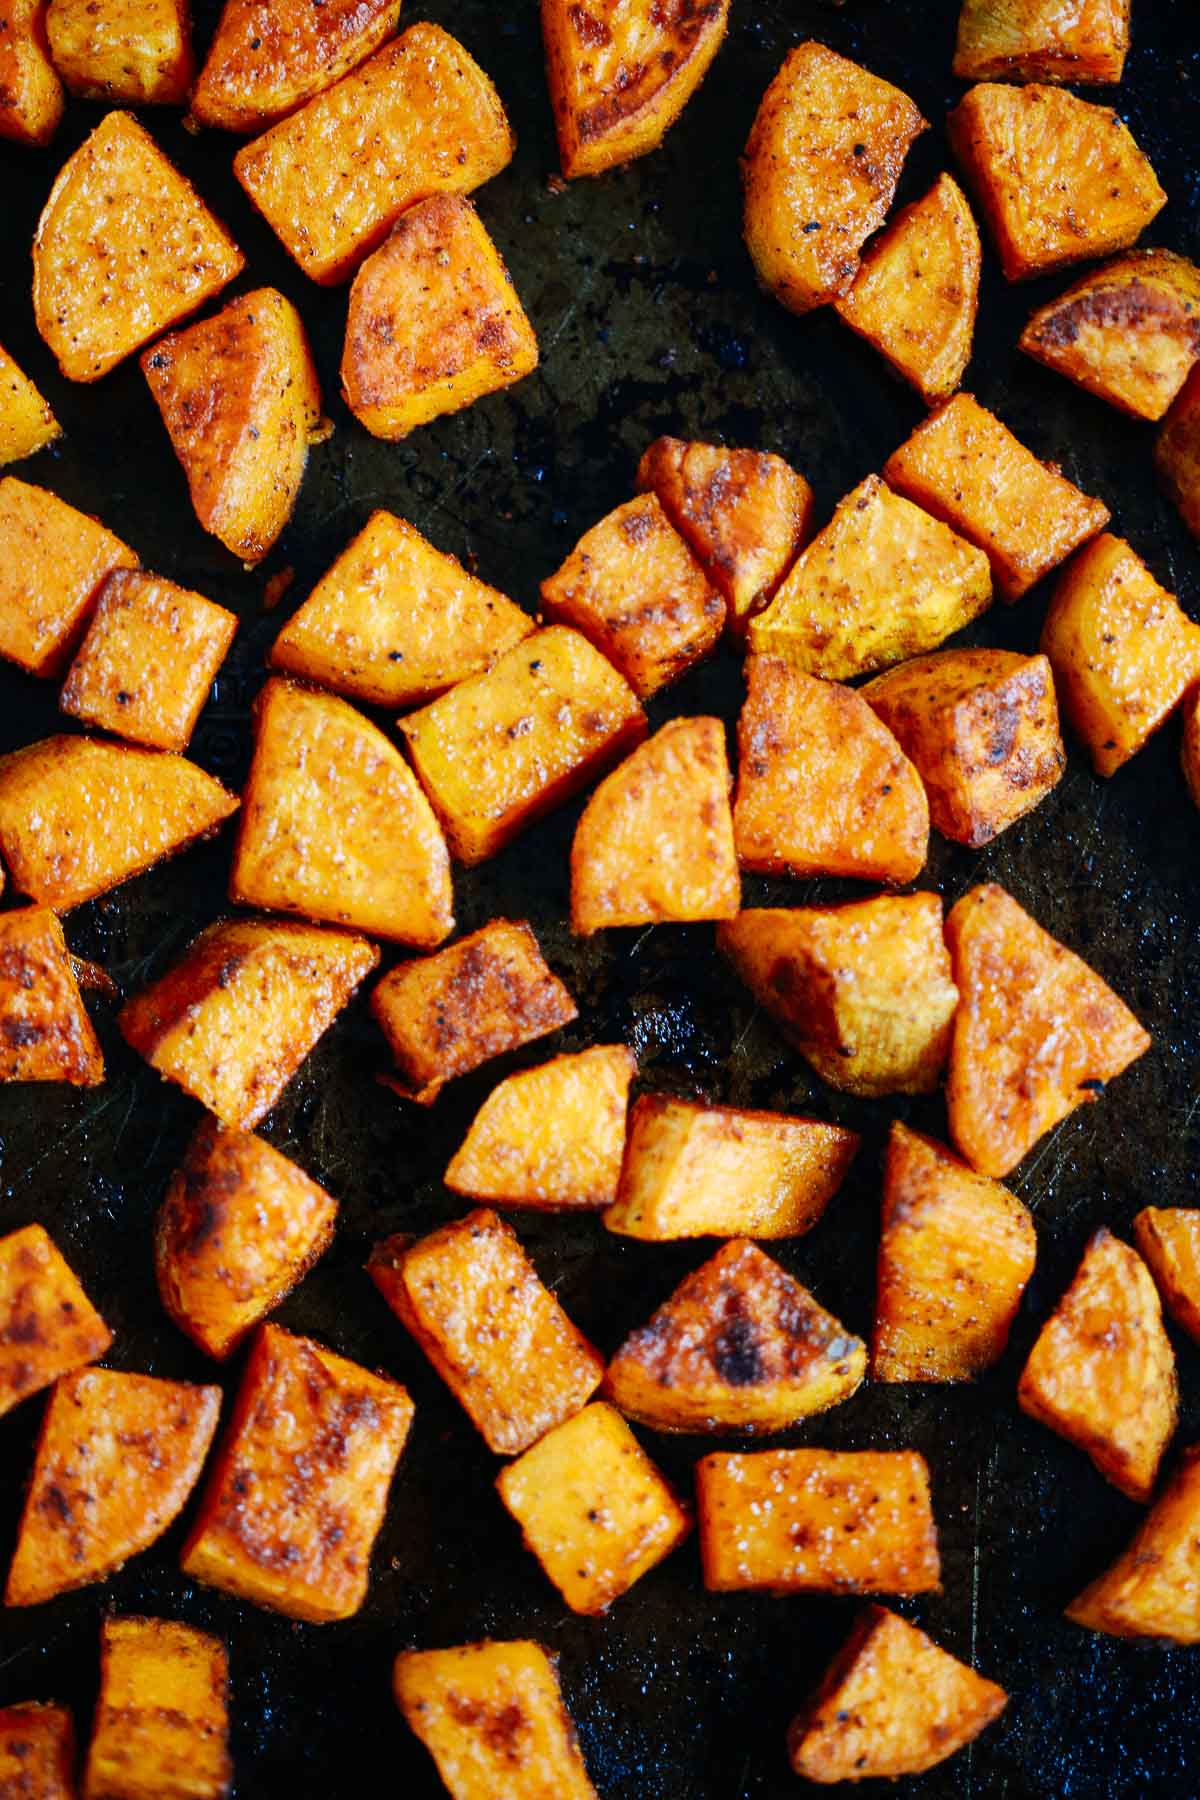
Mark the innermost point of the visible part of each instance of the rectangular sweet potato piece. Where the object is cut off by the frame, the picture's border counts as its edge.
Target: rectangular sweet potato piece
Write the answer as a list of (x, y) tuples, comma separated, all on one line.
[(161, 1730), (37, 1752), (131, 52), (1177, 453), (1153, 1588), (268, 57), (1041, 40), (26, 421), (31, 96), (48, 1326), (53, 563), (45, 1032)]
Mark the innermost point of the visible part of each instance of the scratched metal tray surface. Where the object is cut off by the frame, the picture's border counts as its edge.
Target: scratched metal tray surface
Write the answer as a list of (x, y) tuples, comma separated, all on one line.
[(649, 321)]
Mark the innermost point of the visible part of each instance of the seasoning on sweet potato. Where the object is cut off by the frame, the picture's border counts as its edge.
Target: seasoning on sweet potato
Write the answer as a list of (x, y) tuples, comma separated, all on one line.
[(239, 1228), (863, 991), (882, 581), (53, 562), (1152, 1590), (37, 1752), (1177, 453), (966, 467), (552, 1136), (497, 1337), (161, 1730), (268, 57), (419, 117), (823, 788), (819, 170), (27, 424), (1042, 40), (299, 1485), (45, 1032), (1190, 750), (892, 1703), (232, 1021), (31, 96), (124, 52), (1169, 1240), (444, 1015), (696, 1170), (503, 748), (48, 1326)]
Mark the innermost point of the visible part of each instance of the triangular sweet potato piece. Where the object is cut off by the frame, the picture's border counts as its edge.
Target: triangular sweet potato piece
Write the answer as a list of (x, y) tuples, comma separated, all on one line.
[(31, 96), (1169, 1240), (1042, 40), (53, 563), (26, 421), (739, 1346), (268, 57), (1037, 1033), (1153, 1588), (45, 1032), (48, 1325)]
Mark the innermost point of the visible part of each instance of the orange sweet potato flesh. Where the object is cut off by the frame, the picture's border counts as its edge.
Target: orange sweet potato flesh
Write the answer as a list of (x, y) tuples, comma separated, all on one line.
[(45, 1032), (126, 52), (1042, 40), (1169, 1240), (53, 563), (1153, 1588), (31, 96), (37, 1751), (48, 1326), (1177, 453), (268, 57), (27, 424), (161, 1727)]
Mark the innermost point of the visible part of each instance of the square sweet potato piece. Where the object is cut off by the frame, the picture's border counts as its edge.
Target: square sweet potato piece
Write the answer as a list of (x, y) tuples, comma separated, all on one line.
[(268, 57), (1153, 1588), (161, 1730), (53, 563), (123, 52), (1169, 1240), (37, 1752), (1041, 40), (1177, 453), (45, 1031), (48, 1326), (31, 95), (27, 424)]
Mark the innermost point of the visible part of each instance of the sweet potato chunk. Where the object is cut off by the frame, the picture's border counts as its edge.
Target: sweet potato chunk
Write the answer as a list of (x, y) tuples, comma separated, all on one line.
[(655, 840), (550, 1137), (419, 117), (124, 52), (27, 424), (377, 861), (739, 1346), (863, 991), (53, 562), (239, 1228), (124, 248), (37, 1752), (31, 96), (1153, 1588), (434, 321), (48, 1326), (1169, 1240), (1042, 40), (268, 57), (1177, 453), (444, 1015), (233, 1020), (694, 1170), (499, 1339), (955, 1255), (883, 581), (817, 1521), (503, 748), (45, 1032), (161, 1730), (823, 787), (299, 1486), (1190, 751), (892, 1703), (395, 621), (1059, 180), (117, 1458), (967, 468), (1102, 1372), (593, 1508), (820, 169), (982, 728)]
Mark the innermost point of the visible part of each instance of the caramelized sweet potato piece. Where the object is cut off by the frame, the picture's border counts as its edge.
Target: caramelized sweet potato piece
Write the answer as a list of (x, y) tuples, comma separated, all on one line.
[(31, 96), (45, 1032), (268, 57), (161, 1730), (820, 169), (48, 1326), (53, 562), (1153, 1588), (1042, 40), (37, 1752), (27, 424), (124, 52), (1177, 453), (1169, 1240), (1190, 752)]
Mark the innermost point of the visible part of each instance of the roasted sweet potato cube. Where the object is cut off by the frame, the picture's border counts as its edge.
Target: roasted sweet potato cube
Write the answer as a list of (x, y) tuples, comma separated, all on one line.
[(739, 1346), (444, 1015), (45, 1032), (1102, 1372), (497, 1337), (419, 117), (377, 862), (232, 1021), (124, 52), (27, 424), (298, 1489), (53, 562), (883, 581), (863, 991), (817, 1521), (593, 1508), (31, 96), (161, 1730), (550, 1137), (966, 467), (239, 1228), (268, 57), (1177, 453), (820, 169), (632, 587), (823, 787), (395, 621), (1190, 750), (1169, 1240), (655, 840), (1153, 1588), (1041, 40), (48, 1326), (503, 748), (892, 1703), (37, 1752)]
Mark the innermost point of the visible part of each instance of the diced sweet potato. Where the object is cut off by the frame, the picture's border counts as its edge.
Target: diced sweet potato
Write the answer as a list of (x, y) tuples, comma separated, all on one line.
[(334, 824), (817, 1521), (434, 321), (161, 1730), (268, 57), (492, 1715), (79, 815), (395, 621), (955, 1254), (27, 424), (1190, 750), (31, 96), (820, 169), (1042, 40), (497, 1337), (1177, 453), (1102, 1372), (552, 1137), (444, 1015), (1153, 1588), (1169, 1240), (300, 1482), (915, 296), (1059, 180), (823, 787), (632, 586), (124, 248), (37, 1752), (739, 1346), (503, 748), (48, 1326), (982, 728), (233, 1020), (593, 1508), (53, 562), (863, 991), (124, 52), (694, 1170), (117, 1458), (45, 1032), (419, 117), (892, 1703), (883, 581), (966, 467), (239, 1228)]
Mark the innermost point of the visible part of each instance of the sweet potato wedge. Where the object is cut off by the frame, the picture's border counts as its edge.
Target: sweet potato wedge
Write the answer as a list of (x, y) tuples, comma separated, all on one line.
[(48, 1326), (27, 424), (45, 1032), (1153, 1588), (1168, 1238), (1190, 749), (124, 52), (1177, 453), (31, 96), (161, 1730), (53, 562), (268, 57), (37, 1752)]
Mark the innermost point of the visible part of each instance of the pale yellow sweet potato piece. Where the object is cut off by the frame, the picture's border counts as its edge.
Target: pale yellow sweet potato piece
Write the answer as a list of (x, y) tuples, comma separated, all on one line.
[(1169, 1240), (124, 52), (1177, 453), (48, 1326), (27, 424), (1153, 1588), (1043, 40), (45, 1032), (161, 1730), (37, 1752), (31, 96), (268, 57), (53, 562)]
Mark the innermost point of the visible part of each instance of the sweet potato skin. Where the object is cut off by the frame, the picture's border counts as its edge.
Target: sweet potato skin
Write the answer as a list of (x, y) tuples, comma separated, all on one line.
[(53, 562), (268, 57), (45, 1032), (161, 1730), (1168, 1238), (37, 1751), (48, 1326), (31, 96), (1038, 40), (27, 424), (1177, 453), (1190, 748), (1153, 1588), (130, 52)]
